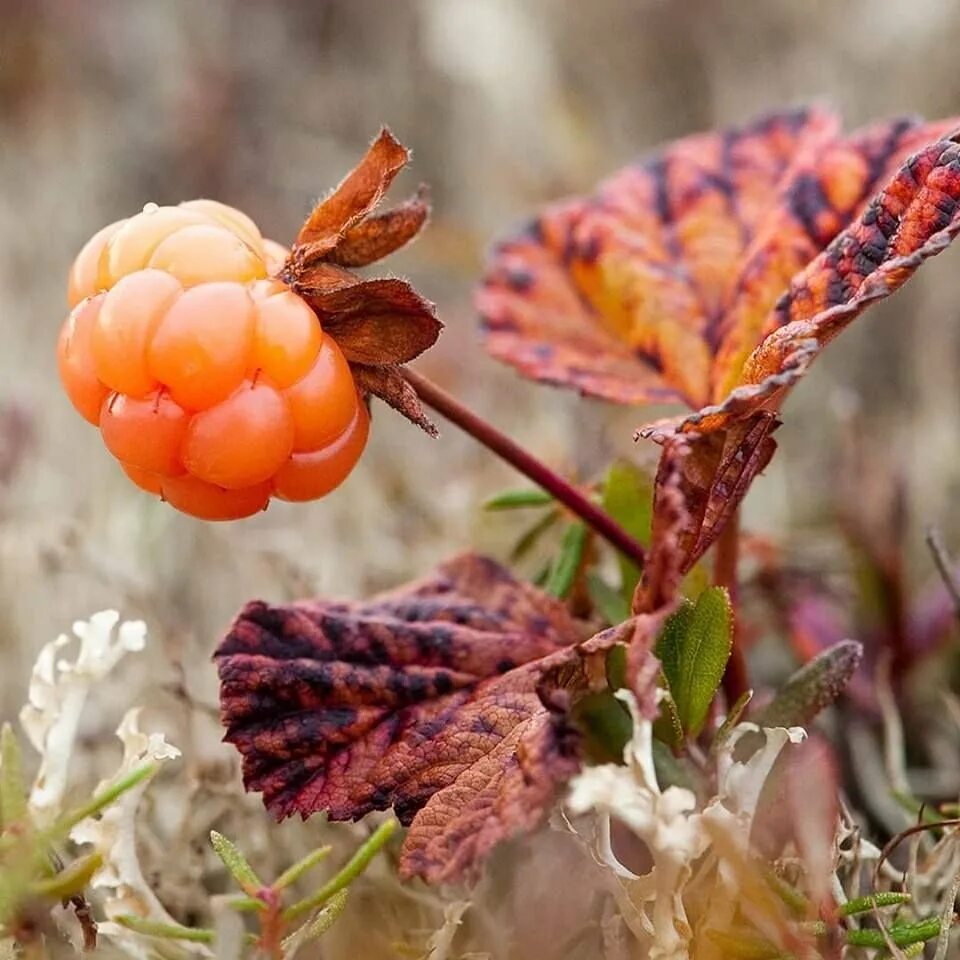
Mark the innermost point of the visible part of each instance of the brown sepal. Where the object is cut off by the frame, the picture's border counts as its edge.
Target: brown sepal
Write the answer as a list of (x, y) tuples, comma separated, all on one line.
[(376, 322), (380, 235), (358, 193), (389, 384)]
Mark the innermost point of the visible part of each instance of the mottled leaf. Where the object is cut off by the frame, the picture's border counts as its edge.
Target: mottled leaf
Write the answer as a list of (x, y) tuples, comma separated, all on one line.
[(390, 385), (660, 286), (430, 700), (813, 688), (622, 294)]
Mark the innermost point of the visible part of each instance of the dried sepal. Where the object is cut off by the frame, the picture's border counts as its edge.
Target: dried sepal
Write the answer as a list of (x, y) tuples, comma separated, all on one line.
[(390, 385), (384, 233), (378, 322), (356, 196)]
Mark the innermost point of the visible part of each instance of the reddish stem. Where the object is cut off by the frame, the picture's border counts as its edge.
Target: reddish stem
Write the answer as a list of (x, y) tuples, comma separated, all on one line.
[(736, 678), (505, 448)]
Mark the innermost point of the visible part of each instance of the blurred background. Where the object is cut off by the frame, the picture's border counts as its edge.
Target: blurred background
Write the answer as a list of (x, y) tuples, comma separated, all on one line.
[(108, 104)]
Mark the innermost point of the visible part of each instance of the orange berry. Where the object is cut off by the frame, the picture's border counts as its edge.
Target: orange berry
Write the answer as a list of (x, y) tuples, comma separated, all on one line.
[(234, 220), (261, 289), (147, 433), (132, 311), (208, 502), (205, 252), (75, 360), (308, 476), (131, 247), (144, 479), (324, 402), (274, 254), (201, 348), (243, 440), (83, 280), (287, 338)]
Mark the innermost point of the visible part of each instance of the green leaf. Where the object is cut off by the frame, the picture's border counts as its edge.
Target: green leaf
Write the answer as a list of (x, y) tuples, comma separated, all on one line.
[(609, 602), (353, 868), (531, 536), (165, 931), (70, 881), (693, 648), (813, 687), (606, 725), (902, 934), (516, 499), (109, 794), (317, 927), (292, 874), (745, 945), (885, 898), (667, 728), (628, 498), (13, 790), (565, 566), (236, 863)]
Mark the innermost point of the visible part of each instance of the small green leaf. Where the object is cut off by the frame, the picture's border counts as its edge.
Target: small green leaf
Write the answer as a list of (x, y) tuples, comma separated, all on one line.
[(885, 898), (813, 687), (565, 566), (317, 927), (517, 499), (353, 868), (109, 794), (164, 931), (609, 602), (902, 934), (793, 899), (531, 536), (694, 648), (606, 725), (70, 881), (628, 498), (667, 728), (13, 790), (236, 863), (616, 666), (292, 874), (670, 642)]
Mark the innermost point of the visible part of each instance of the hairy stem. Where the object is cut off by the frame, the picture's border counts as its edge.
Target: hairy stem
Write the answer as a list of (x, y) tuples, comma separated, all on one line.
[(735, 679), (520, 459)]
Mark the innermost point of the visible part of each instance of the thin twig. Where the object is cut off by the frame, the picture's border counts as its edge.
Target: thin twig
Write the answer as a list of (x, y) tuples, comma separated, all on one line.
[(520, 459)]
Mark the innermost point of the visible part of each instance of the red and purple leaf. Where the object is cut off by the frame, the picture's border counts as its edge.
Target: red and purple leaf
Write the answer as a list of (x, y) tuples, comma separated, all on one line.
[(426, 700)]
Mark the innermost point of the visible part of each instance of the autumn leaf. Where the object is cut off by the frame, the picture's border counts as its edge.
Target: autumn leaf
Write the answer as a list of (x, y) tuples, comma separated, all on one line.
[(712, 273), (446, 700)]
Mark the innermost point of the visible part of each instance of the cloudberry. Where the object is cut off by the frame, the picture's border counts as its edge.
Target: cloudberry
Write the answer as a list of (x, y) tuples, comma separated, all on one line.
[(213, 385)]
